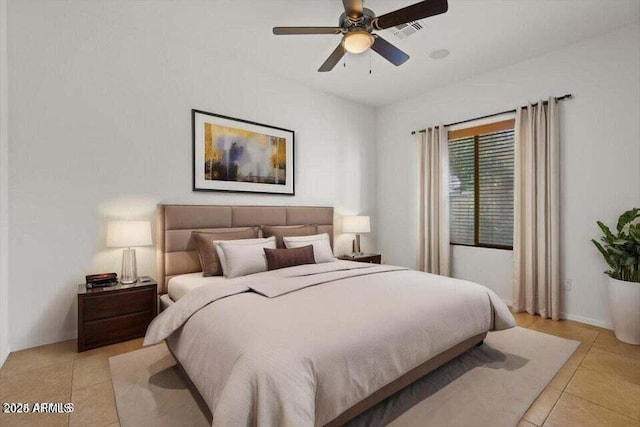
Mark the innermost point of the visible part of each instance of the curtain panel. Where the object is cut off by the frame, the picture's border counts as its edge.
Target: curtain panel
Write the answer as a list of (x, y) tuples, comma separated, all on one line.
[(536, 245), (433, 201)]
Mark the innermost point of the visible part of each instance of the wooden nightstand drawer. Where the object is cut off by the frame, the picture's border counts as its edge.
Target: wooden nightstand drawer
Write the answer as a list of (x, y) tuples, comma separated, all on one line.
[(118, 304), (116, 329), (116, 313)]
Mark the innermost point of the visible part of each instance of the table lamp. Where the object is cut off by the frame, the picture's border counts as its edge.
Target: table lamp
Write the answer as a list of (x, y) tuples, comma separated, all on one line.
[(356, 224), (126, 234)]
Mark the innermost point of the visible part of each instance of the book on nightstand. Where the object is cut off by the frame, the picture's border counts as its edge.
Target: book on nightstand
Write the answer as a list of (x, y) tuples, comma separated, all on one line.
[(101, 280)]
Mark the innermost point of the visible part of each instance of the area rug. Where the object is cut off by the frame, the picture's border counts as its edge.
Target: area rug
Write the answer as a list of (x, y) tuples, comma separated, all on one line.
[(490, 385)]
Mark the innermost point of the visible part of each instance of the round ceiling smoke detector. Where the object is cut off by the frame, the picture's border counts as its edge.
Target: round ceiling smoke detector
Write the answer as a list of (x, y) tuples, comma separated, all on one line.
[(439, 54)]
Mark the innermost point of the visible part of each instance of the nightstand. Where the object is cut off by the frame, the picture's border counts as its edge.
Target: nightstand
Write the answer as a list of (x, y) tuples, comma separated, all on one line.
[(370, 258), (114, 314)]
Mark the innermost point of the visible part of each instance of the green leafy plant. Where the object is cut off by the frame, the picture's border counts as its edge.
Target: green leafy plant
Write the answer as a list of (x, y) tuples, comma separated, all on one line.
[(622, 250)]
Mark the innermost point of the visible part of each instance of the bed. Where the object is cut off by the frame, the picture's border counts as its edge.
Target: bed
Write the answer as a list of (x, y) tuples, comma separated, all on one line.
[(313, 344), (182, 284)]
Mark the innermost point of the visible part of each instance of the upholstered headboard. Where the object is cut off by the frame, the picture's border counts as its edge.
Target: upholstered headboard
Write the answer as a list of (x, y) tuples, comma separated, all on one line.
[(176, 252)]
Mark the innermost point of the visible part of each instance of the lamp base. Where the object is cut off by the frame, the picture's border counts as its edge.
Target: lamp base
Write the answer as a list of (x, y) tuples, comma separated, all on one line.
[(356, 246), (129, 268)]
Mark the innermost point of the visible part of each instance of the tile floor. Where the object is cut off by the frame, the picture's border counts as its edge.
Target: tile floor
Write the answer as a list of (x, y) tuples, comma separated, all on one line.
[(56, 373), (598, 386)]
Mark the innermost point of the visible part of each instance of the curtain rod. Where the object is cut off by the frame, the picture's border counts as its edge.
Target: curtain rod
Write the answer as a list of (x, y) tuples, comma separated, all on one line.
[(560, 98)]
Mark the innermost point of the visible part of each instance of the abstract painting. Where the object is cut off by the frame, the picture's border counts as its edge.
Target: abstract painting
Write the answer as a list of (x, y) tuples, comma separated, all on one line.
[(237, 155)]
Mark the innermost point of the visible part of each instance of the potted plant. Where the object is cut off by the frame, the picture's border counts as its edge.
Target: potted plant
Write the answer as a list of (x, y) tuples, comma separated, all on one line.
[(622, 252)]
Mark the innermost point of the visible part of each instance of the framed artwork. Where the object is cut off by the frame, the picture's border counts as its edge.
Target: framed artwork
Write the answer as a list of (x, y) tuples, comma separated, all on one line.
[(241, 156)]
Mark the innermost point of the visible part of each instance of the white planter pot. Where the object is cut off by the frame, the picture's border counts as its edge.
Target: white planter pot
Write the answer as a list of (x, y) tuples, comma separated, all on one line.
[(624, 304)]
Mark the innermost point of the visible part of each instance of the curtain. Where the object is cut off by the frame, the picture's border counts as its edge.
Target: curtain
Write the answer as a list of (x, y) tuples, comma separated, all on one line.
[(433, 201), (536, 246)]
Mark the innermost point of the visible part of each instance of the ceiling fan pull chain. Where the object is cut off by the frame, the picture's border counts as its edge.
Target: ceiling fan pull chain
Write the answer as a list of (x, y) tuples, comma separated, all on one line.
[(370, 62)]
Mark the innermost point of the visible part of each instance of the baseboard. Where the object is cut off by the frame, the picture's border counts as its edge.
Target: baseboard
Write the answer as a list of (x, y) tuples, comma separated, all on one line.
[(579, 319), (25, 344), (587, 320), (4, 354)]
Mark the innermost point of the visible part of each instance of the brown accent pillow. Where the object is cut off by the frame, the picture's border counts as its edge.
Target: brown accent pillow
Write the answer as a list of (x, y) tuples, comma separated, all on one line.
[(282, 258), (209, 260), (279, 232)]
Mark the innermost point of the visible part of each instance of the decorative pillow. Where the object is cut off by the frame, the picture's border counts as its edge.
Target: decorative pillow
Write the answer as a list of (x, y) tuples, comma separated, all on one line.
[(242, 257), (221, 257), (282, 258), (283, 231), (322, 251), (206, 251)]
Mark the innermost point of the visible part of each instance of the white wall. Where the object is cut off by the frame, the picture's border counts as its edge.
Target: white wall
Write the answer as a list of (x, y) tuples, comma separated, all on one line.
[(101, 94), (4, 189), (600, 175), (99, 126)]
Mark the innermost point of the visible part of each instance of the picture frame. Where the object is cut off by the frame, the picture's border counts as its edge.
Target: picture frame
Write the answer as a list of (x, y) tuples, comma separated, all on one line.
[(241, 156)]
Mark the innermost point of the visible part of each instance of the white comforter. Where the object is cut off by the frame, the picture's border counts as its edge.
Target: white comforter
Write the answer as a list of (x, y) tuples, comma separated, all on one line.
[(299, 346)]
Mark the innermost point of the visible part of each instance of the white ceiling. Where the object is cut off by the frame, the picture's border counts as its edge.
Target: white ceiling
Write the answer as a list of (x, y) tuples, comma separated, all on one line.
[(481, 35)]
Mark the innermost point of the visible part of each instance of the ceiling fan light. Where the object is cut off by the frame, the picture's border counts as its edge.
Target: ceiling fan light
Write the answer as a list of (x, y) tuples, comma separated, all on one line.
[(357, 41)]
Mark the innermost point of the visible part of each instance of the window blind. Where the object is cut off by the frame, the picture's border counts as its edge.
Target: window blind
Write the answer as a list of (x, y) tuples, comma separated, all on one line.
[(461, 191), (495, 169), (481, 164)]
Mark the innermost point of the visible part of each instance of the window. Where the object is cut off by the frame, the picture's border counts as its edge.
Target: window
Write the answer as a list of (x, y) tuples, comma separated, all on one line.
[(481, 162)]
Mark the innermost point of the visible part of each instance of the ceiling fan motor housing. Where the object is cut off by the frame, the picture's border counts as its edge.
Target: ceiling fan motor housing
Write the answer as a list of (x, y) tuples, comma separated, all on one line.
[(362, 23)]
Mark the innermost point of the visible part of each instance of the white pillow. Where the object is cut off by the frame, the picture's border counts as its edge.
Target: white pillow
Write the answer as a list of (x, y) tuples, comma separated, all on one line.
[(221, 257), (321, 245), (244, 256)]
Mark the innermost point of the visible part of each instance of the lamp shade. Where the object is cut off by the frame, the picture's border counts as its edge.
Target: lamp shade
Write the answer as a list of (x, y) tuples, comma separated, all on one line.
[(356, 224), (128, 233)]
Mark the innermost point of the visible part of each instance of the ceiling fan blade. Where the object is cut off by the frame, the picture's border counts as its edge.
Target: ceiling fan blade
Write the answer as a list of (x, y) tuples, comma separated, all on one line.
[(283, 31), (389, 51), (421, 10), (333, 59), (353, 8)]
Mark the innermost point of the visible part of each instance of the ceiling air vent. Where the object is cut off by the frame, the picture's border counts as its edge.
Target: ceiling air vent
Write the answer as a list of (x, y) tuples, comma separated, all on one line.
[(405, 30)]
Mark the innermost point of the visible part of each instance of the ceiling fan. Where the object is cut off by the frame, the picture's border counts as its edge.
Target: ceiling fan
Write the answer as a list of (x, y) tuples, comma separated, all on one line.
[(357, 23)]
